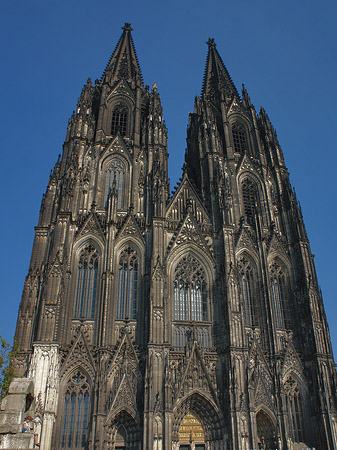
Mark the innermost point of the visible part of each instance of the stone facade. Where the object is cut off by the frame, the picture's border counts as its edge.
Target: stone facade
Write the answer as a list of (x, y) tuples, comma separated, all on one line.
[(190, 320)]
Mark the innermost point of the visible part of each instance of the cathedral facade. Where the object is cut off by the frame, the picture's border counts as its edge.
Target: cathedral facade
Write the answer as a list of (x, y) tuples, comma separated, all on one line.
[(190, 320)]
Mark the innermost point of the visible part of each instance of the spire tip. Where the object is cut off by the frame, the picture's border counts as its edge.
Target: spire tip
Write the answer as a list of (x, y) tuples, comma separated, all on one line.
[(211, 42), (127, 27)]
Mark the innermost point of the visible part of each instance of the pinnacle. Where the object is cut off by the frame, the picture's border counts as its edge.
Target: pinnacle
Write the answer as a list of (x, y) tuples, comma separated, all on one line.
[(216, 76), (211, 42), (123, 63), (127, 27)]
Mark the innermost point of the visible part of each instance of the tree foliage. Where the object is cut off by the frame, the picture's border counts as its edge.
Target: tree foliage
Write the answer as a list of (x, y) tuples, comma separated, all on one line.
[(7, 355)]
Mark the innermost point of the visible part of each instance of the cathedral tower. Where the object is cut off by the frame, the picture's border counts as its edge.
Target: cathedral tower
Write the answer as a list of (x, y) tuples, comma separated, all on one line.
[(190, 321)]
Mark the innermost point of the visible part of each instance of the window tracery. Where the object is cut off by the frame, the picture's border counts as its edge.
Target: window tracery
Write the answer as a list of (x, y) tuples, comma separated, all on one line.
[(127, 288), (115, 179), (250, 197), (86, 283), (278, 292), (119, 120), (190, 290), (294, 403), (239, 137), (247, 290), (76, 412)]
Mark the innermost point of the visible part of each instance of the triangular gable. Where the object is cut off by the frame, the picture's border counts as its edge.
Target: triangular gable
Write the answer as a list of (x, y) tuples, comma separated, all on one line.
[(189, 232), (178, 205), (130, 228), (195, 363), (276, 245), (291, 361), (247, 164), (245, 239), (79, 354), (257, 363), (158, 271), (116, 146), (91, 225), (121, 88), (55, 268), (236, 107), (125, 395)]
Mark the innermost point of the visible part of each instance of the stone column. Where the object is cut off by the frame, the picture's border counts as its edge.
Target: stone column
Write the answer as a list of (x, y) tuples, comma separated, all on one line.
[(44, 370)]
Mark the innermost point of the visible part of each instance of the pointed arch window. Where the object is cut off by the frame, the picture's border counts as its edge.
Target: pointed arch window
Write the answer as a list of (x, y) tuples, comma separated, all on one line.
[(190, 287), (86, 283), (76, 412), (250, 197), (127, 289), (278, 292), (294, 409), (115, 179), (247, 290), (239, 137), (119, 120)]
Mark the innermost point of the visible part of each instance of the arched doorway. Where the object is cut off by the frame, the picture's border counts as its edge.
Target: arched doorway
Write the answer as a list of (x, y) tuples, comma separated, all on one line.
[(123, 432), (191, 433), (266, 431), (196, 424)]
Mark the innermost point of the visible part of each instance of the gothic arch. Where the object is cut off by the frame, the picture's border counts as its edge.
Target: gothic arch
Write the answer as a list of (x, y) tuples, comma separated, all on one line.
[(115, 171), (266, 429), (94, 248), (249, 283), (205, 410), (254, 180), (122, 425), (114, 102), (128, 267), (190, 286), (280, 289), (75, 404), (240, 134)]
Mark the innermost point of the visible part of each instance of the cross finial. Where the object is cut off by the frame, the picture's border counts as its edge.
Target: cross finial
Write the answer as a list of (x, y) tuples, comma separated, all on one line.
[(211, 42), (127, 27)]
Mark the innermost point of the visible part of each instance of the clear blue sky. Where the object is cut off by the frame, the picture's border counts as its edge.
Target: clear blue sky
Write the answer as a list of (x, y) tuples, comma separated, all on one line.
[(285, 53)]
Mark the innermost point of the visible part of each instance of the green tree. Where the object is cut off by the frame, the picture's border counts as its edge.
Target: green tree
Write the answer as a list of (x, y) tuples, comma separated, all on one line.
[(7, 355)]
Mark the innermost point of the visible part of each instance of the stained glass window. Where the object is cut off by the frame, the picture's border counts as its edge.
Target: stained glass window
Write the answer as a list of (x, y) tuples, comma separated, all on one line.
[(86, 283), (247, 290), (127, 288), (119, 120), (115, 178), (249, 194), (190, 290), (278, 290), (294, 408), (239, 137), (76, 409)]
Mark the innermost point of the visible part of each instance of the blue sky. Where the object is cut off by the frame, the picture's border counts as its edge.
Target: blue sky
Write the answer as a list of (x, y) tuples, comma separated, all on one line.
[(283, 51)]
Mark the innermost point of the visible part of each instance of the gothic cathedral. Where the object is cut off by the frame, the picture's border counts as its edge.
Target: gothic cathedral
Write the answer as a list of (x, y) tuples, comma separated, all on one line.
[(190, 320)]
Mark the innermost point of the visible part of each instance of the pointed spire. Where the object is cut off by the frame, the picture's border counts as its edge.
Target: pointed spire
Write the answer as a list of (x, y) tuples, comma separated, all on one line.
[(123, 63), (216, 76)]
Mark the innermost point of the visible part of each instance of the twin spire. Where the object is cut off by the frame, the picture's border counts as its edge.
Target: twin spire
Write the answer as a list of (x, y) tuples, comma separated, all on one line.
[(216, 77), (124, 63)]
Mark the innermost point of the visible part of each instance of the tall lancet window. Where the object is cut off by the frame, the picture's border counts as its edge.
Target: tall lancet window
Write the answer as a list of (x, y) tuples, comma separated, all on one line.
[(86, 283), (119, 120), (127, 289), (294, 407), (249, 196), (76, 412), (278, 294), (239, 137), (190, 287), (247, 290), (115, 178)]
